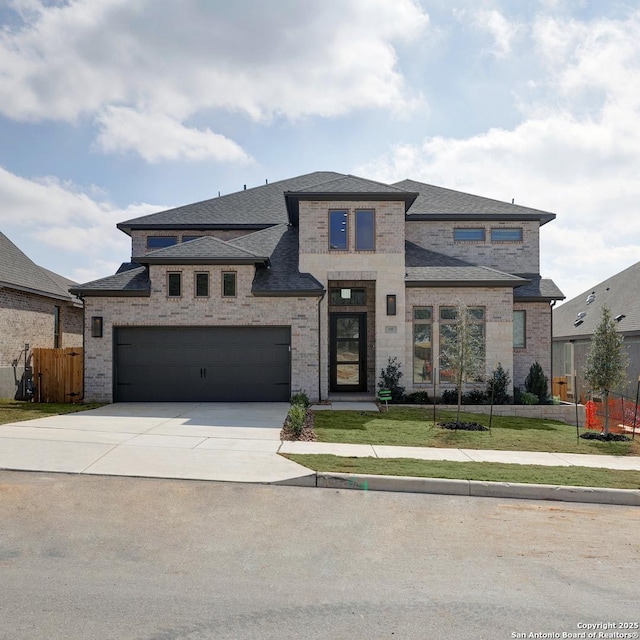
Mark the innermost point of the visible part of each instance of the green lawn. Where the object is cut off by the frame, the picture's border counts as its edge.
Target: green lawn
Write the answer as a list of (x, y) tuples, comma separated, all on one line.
[(413, 427), (484, 471), (15, 411)]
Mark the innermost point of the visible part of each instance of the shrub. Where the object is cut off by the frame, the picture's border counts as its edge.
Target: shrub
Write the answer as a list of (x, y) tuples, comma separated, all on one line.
[(537, 383), (390, 379), (300, 398), (450, 396), (529, 398), (475, 396), (297, 415), (417, 397), (498, 385)]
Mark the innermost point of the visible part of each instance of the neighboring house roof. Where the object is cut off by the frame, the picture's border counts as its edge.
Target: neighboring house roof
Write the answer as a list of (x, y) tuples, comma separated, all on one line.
[(537, 289), (205, 250), (129, 282), (620, 293), (18, 271), (256, 208), (438, 203), (428, 268)]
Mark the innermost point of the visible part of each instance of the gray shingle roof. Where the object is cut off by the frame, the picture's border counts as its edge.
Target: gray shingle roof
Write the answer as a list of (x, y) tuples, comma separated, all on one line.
[(18, 271), (352, 184), (283, 276), (130, 282), (258, 207), (537, 288), (620, 293), (428, 268), (205, 250), (262, 242), (434, 201)]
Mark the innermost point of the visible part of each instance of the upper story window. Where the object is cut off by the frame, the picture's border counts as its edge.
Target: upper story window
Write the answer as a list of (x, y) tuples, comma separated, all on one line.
[(189, 238), (506, 235), (365, 230), (229, 288), (174, 284), (160, 242), (339, 230), (462, 234), (202, 285)]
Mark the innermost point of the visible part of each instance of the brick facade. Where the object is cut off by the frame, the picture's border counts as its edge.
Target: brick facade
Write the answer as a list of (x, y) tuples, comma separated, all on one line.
[(538, 342)]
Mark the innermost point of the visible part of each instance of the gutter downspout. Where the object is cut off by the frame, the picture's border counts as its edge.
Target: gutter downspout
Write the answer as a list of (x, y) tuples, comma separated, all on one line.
[(552, 304), (320, 348)]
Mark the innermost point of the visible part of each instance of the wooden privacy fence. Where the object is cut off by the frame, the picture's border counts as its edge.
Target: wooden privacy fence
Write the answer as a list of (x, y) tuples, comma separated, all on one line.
[(57, 374), (559, 387)]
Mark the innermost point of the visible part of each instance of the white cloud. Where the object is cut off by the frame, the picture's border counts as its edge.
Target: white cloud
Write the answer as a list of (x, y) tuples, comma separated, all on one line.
[(165, 62), (501, 30), (49, 214), (576, 153), (158, 137)]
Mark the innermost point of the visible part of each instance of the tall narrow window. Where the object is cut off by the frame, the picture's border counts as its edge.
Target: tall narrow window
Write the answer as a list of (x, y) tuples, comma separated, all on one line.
[(57, 342), (422, 344), (229, 284), (365, 230), (202, 285), (174, 285), (338, 230), (519, 329)]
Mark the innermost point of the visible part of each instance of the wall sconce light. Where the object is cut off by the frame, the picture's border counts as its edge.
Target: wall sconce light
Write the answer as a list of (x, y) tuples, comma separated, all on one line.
[(391, 305), (96, 326)]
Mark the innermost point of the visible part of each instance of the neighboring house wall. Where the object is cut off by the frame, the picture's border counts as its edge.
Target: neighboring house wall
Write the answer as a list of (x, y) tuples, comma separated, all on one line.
[(139, 238), (301, 314), (29, 318), (498, 304), (538, 343), (385, 265), (512, 257)]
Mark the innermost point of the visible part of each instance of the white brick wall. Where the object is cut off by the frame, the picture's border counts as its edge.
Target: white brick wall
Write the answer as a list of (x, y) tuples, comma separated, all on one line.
[(538, 342)]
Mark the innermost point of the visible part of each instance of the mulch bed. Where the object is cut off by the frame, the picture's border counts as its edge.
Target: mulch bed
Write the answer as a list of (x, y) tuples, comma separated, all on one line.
[(463, 426), (610, 437), (307, 435)]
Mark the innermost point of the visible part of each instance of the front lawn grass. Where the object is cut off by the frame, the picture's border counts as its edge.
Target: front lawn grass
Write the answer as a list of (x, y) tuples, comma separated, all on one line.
[(483, 471), (413, 427), (16, 411)]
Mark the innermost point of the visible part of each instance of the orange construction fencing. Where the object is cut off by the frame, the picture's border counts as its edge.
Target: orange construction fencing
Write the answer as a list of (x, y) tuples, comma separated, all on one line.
[(624, 415)]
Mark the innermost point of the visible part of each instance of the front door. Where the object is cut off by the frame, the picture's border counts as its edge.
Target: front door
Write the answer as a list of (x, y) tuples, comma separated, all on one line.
[(348, 351)]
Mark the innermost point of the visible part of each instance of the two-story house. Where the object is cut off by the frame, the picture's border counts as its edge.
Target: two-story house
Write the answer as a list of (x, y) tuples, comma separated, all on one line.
[(312, 284)]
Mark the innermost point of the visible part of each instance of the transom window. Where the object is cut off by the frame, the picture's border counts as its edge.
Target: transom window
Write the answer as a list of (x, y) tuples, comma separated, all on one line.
[(339, 230), (464, 234), (506, 235), (348, 297), (202, 285), (229, 284), (174, 284), (365, 230), (422, 344), (160, 242)]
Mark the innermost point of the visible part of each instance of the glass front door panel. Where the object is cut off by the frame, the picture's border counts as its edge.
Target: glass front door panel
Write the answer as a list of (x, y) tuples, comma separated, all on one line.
[(348, 327), (348, 374), (348, 351)]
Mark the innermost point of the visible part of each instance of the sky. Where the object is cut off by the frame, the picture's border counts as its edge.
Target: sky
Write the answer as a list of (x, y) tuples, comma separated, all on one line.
[(113, 109)]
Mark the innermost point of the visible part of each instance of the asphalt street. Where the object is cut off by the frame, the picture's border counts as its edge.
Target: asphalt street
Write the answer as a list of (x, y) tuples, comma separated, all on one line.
[(150, 559)]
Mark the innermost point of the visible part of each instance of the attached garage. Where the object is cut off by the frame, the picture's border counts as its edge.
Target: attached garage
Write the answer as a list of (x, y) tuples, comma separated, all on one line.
[(202, 364)]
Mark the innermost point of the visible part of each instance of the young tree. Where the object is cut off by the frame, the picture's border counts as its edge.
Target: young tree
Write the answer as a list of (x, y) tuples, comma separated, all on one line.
[(607, 361), (462, 351)]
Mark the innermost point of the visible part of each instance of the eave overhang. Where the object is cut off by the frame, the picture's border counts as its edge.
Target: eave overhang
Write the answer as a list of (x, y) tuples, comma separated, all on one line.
[(543, 218), (127, 228), (111, 293), (221, 261), (462, 283), (37, 292)]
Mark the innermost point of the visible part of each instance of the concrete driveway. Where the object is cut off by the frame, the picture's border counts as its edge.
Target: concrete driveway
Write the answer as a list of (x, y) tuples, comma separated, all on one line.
[(205, 441)]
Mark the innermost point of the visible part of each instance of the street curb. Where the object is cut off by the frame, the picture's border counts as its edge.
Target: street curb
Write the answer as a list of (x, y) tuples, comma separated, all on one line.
[(476, 488)]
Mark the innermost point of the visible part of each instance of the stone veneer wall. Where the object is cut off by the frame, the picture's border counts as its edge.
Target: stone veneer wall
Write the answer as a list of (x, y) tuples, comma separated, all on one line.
[(29, 318), (139, 238), (385, 265), (301, 314), (498, 304), (538, 342), (511, 257)]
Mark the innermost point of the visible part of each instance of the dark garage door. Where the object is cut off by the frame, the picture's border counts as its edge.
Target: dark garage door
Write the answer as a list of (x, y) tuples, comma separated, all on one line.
[(206, 364)]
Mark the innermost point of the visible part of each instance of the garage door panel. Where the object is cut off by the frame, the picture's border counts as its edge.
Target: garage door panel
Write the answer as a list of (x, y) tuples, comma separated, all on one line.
[(202, 364)]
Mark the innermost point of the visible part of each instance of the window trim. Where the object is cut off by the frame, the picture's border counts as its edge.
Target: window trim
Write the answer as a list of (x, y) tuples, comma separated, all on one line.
[(235, 284), (164, 246), (373, 229), (428, 379), (482, 230), (174, 273), (518, 240), (195, 284), (521, 313), (346, 241), (57, 327)]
